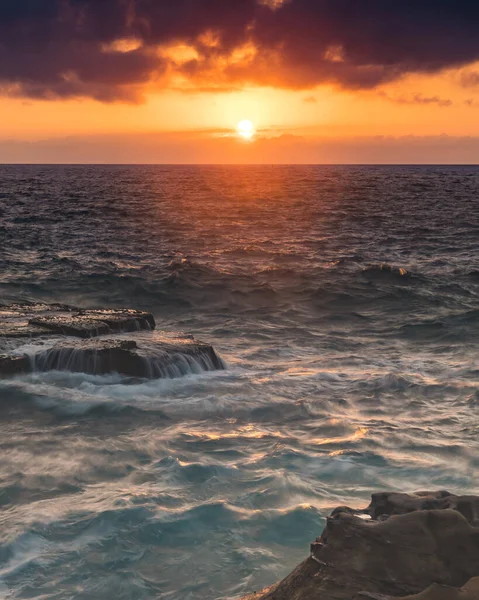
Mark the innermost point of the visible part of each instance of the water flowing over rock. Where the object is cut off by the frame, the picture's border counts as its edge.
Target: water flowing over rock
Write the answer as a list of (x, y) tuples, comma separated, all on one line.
[(150, 356), (423, 546), (40, 337)]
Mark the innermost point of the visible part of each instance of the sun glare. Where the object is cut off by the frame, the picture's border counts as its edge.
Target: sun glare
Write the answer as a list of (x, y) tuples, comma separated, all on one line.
[(245, 129)]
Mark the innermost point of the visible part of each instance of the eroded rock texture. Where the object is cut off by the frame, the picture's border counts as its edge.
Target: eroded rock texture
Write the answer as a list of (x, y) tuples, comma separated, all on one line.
[(470, 591), (423, 545), (34, 320)]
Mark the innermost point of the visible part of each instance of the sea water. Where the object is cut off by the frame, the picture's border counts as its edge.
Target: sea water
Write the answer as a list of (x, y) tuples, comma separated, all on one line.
[(345, 304)]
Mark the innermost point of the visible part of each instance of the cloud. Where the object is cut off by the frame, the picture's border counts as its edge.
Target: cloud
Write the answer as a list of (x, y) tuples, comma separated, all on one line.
[(418, 99), (310, 100), (470, 79), (115, 49)]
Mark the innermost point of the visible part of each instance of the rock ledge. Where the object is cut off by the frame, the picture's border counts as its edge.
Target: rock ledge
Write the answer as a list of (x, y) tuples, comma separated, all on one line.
[(43, 337)]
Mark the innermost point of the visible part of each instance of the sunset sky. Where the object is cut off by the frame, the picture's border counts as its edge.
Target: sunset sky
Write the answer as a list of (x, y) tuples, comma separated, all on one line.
[(321, 81)]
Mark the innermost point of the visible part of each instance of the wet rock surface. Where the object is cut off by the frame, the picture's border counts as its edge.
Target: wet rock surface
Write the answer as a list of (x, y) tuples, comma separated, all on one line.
[(13, 365), (153, 355), (42, 337), (423, 545), (35, 320)]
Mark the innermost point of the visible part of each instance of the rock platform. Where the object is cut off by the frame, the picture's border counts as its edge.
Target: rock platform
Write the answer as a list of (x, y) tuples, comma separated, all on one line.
[(45, 337)]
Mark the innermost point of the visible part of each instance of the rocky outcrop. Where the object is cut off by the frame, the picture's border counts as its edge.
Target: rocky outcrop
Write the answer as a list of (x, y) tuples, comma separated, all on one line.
[(150, 356), (35, 320), (423, 545), (43, 337)]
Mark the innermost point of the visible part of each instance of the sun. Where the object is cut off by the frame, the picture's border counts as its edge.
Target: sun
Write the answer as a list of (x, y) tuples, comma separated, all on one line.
[(245, 129)]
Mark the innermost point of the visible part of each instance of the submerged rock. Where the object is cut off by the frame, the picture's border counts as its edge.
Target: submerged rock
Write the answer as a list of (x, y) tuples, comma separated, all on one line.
[(42, 337), (423, 545)]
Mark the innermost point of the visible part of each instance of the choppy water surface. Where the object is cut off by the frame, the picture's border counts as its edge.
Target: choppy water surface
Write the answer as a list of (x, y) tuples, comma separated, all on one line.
[(345, 303)]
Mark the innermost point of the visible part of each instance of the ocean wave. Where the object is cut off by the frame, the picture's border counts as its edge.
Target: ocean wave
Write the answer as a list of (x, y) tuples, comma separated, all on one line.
[(388, 273)]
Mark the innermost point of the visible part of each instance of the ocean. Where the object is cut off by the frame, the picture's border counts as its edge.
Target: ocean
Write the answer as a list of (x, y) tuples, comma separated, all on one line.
[(344, 301)]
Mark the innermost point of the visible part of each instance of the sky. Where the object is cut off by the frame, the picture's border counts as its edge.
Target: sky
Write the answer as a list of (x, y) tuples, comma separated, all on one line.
[(157, 81)]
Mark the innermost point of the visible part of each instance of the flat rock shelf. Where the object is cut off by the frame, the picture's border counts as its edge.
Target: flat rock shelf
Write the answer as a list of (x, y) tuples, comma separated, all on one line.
[(46, 337), (422, 546)]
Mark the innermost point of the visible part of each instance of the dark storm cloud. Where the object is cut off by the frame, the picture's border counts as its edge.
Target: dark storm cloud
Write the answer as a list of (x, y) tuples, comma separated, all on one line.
[(57, 48), (364, 43)]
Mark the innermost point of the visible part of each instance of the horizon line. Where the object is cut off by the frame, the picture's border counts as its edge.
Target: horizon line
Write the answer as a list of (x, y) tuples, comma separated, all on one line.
[(237, 164)]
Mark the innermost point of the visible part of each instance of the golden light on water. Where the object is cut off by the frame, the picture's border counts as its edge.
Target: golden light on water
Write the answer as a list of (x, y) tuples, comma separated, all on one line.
[(245, 129)]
